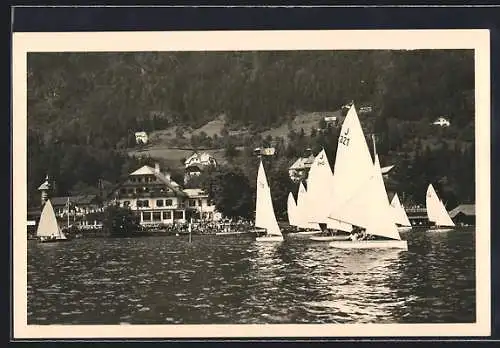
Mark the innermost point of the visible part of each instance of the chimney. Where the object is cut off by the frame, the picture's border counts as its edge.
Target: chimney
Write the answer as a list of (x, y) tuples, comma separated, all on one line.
[(157, 167)]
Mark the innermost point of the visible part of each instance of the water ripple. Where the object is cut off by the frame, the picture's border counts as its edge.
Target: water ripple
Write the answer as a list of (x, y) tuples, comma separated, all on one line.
[(235, 280)]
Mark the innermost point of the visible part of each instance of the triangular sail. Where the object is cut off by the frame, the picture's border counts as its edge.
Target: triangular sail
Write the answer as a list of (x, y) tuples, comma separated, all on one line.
[(400, 216), (48, 226), (303, 209), (359, 186), (320, 180), (436, 211), (264, 210), (381, 212), (292, 210), (353, 164)]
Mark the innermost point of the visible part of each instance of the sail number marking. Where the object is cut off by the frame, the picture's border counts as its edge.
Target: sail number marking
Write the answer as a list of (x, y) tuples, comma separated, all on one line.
[(344, 140)]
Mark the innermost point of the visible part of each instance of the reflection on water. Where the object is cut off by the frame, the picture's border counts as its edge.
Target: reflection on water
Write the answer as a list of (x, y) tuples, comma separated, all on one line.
[(224, 279)]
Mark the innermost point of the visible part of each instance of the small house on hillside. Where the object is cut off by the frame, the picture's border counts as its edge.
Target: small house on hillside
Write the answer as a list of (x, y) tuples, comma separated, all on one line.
[(265, 151), (330, 120), (442, 122), (464, 214), (196, 163), (298, 170), (141, 138)]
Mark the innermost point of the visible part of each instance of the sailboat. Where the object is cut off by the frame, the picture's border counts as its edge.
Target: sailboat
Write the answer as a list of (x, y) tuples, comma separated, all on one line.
[(359, 190), (319, 181), (436, 211), (400, 216), (264, 210), (48, 229), (302, 217)]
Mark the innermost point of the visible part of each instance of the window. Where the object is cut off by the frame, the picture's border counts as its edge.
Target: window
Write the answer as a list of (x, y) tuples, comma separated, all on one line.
[(168, 202), (146, 216), (142, 203), (199, 202), (178, 215), (192, 202), (167, 215), (159, 202), (156, 216)]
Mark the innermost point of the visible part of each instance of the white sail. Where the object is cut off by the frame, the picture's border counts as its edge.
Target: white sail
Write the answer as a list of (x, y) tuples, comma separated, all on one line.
[(303, 209), (400, 216), (264, 210), (361, 197), (436, 211), (380, 222), (353, 164), (292, 210), (48, 226), (319, 182)]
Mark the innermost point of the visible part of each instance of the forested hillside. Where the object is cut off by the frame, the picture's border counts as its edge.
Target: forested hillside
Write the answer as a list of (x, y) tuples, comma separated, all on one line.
[(83, 108)]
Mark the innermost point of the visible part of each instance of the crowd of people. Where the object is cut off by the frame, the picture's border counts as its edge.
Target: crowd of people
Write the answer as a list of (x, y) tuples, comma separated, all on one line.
[(204, 227)]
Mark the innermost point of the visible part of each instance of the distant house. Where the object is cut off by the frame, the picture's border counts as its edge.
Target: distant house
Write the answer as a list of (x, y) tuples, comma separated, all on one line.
[(78, 205), (196, 163), (199, 203), (141, 137), (298, 170), (365, 109), (266, 151), (330, 120), (441, 121), (464, 214)]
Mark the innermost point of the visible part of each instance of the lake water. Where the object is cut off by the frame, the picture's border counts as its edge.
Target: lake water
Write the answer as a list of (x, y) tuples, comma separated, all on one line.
[(233, 280)]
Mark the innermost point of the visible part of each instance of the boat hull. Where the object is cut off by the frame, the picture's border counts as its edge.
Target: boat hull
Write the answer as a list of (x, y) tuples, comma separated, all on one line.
[(404, 228), (440, 229), (329, 238), (307, 233), (233, 233), (269, 239), (370, 244), (52, 240)]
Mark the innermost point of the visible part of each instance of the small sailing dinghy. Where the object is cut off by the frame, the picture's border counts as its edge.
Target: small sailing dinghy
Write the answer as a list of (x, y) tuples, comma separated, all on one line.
[(320, 180), (436, 212), (400, 216), (264, 210), (359, 191), (302, 213), (48, 229)]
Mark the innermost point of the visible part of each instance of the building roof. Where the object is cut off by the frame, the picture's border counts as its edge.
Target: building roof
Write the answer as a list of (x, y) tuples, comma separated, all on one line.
[(76, 200), (195, 193), (302, 162), (466, 209), (45, 185), (200, 157), (147, 170)]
